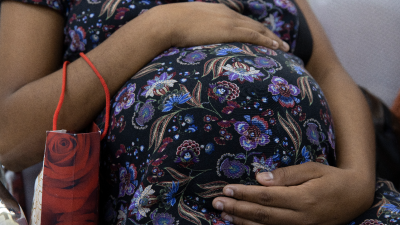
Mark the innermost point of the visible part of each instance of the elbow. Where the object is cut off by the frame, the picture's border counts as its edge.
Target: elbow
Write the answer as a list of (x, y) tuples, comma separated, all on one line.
[(16, 159), (6, 159), (17, 149)]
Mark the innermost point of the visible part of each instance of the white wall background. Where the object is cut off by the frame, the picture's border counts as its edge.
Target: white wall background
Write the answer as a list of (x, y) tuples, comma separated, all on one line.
[(366, 37)]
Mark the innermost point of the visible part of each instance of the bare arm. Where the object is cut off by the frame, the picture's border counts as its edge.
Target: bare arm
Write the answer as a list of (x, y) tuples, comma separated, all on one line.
[(31, 49), (355, 139)]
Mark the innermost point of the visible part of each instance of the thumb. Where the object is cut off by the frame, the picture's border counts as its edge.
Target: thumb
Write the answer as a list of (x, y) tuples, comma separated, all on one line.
[(291, 175)]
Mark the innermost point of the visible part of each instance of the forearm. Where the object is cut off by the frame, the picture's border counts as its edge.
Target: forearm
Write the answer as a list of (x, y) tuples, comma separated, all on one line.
[(355, 139), (27, 111)]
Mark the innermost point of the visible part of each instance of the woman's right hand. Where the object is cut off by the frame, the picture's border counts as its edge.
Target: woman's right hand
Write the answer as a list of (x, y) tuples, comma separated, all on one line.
[(198, 23)]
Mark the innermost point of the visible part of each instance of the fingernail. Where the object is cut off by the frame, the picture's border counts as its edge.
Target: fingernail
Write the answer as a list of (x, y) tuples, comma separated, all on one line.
[(267, 176), (219, 205), (285, 46), (229, 192), (228, 218), (275, 44)]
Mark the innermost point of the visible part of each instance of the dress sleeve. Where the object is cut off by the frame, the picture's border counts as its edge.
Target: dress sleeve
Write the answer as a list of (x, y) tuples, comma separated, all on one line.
[(60, 6)]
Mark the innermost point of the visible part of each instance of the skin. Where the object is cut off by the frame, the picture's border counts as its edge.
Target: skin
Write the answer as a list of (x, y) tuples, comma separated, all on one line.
[(31, 53)]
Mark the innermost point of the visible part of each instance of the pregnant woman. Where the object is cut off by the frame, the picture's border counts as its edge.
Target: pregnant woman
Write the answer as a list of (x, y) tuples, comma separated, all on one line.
[(205, 95)]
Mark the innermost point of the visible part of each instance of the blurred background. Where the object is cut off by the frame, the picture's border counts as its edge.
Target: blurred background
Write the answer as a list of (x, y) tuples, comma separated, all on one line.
[(365, 35)]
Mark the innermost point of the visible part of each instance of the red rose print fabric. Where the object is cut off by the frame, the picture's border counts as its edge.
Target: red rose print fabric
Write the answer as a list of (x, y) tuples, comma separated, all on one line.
[(71, 178)]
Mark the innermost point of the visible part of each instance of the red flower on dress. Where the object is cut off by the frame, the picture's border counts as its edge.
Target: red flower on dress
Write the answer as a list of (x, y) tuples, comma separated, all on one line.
[(231, 106), (165, 142), (121, 13), (223, 91), (187, 153)]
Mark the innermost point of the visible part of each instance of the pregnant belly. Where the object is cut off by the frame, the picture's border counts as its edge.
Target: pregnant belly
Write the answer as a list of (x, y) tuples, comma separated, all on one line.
[(196, 119)]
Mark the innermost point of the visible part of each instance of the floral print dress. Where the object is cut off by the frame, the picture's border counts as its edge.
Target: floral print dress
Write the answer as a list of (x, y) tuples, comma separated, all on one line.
[(196, 119)]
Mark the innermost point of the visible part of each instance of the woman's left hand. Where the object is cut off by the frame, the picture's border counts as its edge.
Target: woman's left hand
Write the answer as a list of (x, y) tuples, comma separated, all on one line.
[(310, 193)]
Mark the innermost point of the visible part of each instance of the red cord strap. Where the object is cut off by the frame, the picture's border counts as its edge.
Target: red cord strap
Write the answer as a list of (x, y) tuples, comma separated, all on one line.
[(103, 83), (60, 102)]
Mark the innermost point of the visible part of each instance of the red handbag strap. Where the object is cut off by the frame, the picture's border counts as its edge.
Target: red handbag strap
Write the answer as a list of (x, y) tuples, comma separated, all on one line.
[(103, 83), (60, 102)]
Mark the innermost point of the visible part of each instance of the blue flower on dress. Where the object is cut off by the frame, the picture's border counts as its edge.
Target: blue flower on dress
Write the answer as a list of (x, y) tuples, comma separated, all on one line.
[(192, 128), (233, 169), (163, 219), (133, 172), (264, 62), (259, 8), (286, 4), (296, 67), (209, 148), (331, 136), (145, 2), (174, 99), (264, 50), (312, 133), (95, 40), (169, 52), (274, 23), (254, 132), (306, 154), (276, 156), (240, 71), (189, 119), (145, 114), (283, 92), (285, 159), (226, 51), (194, 57), (142, 201), (125, 186), (390, 209), (263, 165), (170, 196), (55, 4)]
